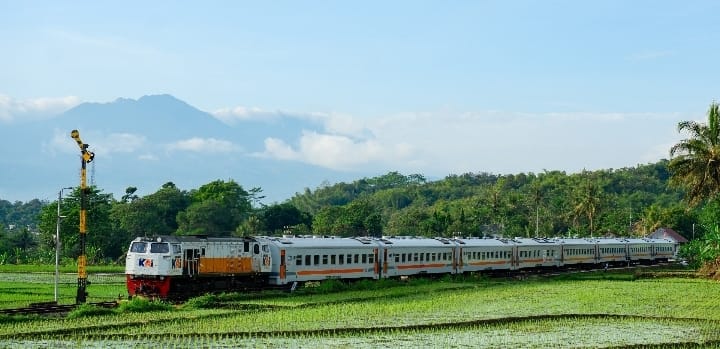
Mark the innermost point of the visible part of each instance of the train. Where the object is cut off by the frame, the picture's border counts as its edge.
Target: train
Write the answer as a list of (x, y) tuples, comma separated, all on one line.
[(182, 266)]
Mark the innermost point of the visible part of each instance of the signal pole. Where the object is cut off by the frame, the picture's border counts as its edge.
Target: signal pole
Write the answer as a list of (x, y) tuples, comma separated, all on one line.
[(85, 157)]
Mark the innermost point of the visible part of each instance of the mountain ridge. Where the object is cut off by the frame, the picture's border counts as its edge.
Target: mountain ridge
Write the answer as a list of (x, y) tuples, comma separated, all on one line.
[(152, 140)]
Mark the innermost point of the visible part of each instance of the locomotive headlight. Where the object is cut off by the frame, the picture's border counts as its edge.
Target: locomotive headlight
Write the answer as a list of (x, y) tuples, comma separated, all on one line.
[(162, 278), (159, 239)]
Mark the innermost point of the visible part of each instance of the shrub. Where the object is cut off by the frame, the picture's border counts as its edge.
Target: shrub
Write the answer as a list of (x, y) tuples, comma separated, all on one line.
[(141, 305)]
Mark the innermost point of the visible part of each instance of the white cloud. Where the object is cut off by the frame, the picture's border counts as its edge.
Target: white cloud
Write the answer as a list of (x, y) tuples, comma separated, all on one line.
[(276, 148), (438, 143), (337, 152), (205, 145), (148, 157), (232, 115), (12, 109), (102, 144)]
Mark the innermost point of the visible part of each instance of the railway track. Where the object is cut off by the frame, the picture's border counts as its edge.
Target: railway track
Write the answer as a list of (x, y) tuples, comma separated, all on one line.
[(51, 308)]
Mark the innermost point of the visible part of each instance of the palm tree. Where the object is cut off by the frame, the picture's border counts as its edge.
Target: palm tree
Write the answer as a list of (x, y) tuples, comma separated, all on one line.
[(695, 161), (588, 202)]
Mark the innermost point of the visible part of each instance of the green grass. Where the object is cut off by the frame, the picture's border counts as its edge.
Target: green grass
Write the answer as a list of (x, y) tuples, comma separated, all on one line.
[(592, 309), (32, 268), (19, 289)]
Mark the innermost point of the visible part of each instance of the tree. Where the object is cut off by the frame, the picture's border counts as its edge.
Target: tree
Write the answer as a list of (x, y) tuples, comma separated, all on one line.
[(103, 234), (217, 209), (276, 217), (587, 202), (695, 163)]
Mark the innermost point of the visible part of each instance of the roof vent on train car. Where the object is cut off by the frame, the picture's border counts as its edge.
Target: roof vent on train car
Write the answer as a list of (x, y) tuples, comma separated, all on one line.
[(385, 240), (444, 240), (363, 240)]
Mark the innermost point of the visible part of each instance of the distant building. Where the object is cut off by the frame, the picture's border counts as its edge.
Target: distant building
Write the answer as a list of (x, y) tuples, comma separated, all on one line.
[(667, 233)]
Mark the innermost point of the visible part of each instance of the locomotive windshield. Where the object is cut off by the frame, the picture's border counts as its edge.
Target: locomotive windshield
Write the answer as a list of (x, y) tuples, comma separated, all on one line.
[(159, 247), (138, 247)]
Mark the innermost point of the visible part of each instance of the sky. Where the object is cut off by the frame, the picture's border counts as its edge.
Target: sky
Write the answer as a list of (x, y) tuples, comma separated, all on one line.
[(429, 87)]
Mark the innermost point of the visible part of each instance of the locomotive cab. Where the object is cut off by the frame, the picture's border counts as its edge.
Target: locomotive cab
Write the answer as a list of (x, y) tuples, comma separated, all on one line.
[(150, 264), (153, 258)]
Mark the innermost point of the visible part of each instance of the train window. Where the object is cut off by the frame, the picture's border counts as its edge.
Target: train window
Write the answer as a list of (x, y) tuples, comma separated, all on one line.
[(176, 248), (246, 246), (298, 260), (397, 258), (332, 259), (256, 249), (371, 259), (402, 257), (433, 257), (427, 256), (307, 259), (266, 248), (341, 259), (138, 247), (421, 257), (316, 259), (348, 260), (415, 257), (202, 251), (325, 259), (364, 258), (356, 260), (159, 247)]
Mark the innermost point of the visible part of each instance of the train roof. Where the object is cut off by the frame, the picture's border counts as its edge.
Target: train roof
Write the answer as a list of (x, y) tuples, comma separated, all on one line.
[(473, 242), (415, 242), (320, 242), (192, 238)]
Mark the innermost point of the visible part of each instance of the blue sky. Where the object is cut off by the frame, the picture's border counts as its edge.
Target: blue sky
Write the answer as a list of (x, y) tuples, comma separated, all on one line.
[(432, 87)]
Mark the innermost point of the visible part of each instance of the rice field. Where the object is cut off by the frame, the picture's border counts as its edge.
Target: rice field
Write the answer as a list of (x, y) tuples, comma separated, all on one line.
[(601, 311)]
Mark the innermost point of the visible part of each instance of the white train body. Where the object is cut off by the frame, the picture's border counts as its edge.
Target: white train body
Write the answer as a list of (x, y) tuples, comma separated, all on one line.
[(176, 264)]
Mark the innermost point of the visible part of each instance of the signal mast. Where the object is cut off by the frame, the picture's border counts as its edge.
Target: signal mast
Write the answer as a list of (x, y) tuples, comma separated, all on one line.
[(85, 157)]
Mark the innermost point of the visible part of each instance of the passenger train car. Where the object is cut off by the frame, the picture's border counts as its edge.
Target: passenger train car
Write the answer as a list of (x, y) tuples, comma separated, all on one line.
[(170, 266)]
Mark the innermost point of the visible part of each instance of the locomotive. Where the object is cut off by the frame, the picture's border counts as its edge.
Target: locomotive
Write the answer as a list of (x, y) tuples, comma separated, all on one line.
[(175, 266)]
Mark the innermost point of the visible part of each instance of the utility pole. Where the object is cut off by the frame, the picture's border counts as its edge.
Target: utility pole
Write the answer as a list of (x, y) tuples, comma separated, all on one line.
[(57, 244), (85, 157)]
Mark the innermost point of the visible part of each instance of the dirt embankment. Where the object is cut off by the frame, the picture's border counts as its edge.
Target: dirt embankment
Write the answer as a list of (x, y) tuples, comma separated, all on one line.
[(711, 269)]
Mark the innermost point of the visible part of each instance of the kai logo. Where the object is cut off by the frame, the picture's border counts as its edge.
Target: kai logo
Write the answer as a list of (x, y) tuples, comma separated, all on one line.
[(145, 262)]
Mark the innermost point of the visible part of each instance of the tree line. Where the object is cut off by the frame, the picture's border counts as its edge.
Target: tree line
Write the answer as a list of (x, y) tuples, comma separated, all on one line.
[(624, 202)]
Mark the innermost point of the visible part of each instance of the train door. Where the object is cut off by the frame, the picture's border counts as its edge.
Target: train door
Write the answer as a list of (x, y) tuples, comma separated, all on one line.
[(177, 260), (283, 265), (192, 261), (384, 269), (376, 265), (261, 257)]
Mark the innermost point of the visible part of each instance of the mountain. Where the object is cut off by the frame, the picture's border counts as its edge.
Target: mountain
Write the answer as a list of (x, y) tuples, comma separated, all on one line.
[(150, 141)]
